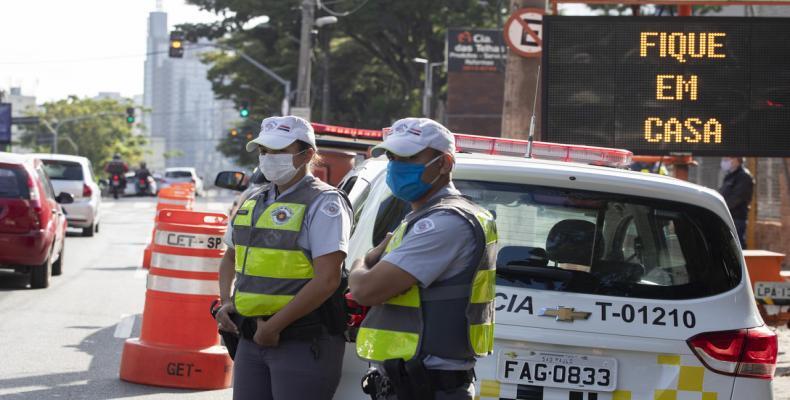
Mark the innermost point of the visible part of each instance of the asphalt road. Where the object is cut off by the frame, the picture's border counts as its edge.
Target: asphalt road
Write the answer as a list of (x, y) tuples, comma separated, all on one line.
[(60, 342), (65, 342)]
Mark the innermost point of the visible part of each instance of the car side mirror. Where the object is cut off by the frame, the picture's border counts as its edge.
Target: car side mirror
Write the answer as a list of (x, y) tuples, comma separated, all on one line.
[(233, 180), (64, 198)]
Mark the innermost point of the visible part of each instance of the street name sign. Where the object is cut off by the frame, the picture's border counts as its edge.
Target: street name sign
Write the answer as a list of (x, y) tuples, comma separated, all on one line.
[(660, 85)]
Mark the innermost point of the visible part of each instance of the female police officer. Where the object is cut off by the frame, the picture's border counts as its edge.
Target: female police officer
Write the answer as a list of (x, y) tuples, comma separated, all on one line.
[(286, 246)]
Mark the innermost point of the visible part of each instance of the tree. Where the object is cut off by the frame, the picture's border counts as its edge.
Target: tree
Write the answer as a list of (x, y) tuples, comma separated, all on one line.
[(102, 133), (374, 80)]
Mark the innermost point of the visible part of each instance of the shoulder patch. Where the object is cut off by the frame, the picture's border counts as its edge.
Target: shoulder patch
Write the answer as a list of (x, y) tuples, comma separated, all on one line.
[(424, 225), (331, 209)]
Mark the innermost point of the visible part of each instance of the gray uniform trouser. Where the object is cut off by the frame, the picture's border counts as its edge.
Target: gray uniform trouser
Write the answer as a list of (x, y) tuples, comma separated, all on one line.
[(288, 371)]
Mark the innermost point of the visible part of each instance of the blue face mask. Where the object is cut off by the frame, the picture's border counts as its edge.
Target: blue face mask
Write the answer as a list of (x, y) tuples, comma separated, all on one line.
[(405, 179)]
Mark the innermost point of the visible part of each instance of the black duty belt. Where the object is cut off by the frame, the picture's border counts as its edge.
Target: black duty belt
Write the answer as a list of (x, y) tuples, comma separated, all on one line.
[(448, 380)]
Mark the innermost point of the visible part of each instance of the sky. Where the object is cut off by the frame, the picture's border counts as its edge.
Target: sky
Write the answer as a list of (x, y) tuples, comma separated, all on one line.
[(55, 48)]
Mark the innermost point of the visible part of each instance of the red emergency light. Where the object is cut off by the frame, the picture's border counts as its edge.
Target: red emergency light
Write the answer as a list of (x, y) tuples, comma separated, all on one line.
[(618, 158), (355, 133)]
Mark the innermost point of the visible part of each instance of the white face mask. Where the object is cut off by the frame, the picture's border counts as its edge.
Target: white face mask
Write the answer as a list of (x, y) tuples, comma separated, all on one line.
[(726, 165), (278, 168)]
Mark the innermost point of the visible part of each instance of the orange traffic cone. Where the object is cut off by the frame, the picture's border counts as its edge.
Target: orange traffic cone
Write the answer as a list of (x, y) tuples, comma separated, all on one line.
[(179, 345)]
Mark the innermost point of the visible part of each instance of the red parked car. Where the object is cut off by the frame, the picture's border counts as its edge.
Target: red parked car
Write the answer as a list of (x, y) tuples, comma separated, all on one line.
[(32, 223)]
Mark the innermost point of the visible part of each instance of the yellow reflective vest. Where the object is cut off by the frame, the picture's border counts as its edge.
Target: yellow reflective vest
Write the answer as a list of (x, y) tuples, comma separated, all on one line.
[(466, 301), (270, 266)]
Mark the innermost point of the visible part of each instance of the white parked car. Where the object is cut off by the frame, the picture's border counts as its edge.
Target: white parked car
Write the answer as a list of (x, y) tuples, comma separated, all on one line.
[(611, 284), (74, 175), (185, 174)]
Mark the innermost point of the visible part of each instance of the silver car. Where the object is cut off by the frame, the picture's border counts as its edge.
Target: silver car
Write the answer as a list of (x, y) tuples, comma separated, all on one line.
[(74, 175)]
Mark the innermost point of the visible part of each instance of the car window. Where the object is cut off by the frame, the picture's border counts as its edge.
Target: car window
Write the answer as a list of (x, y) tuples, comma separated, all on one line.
[(348, 184), (178, 174), (48, 190), (587, 242), (597, 243), (63, 170), (13, 183)]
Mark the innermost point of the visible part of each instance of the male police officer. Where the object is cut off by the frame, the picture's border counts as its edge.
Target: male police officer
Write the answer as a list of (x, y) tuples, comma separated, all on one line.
[(431, 281)]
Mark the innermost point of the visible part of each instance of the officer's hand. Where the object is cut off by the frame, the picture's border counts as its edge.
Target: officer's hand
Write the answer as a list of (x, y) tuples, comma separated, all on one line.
[(223, 318), (265, 336), (374, 255)]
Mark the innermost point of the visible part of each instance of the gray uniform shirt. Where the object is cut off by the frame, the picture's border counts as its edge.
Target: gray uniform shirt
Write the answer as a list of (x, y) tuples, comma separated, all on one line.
[(435, 249), (327, 224)]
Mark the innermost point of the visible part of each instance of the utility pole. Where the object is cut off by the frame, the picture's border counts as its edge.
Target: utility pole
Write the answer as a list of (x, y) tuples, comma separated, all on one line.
[(520, 84), (305, 50), (324, 36)]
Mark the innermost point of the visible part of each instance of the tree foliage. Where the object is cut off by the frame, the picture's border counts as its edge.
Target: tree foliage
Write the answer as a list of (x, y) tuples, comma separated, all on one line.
[(373, 77), (99, 130)]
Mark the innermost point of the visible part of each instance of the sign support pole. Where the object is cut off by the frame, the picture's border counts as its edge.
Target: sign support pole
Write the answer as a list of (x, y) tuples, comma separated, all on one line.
[(519, 79)]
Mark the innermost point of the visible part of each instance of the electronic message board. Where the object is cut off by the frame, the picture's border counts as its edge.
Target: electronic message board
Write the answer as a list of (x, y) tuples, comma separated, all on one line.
[(660, 85)]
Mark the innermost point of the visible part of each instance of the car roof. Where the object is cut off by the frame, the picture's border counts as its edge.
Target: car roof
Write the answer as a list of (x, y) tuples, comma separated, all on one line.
[(14, 158), (587, 177), (188, 169), (61, 157)]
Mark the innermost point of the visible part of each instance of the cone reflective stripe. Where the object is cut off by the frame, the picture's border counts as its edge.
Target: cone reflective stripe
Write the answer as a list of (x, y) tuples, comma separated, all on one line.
[(184, 263), (182, 286), (177, 328), (174, 201)]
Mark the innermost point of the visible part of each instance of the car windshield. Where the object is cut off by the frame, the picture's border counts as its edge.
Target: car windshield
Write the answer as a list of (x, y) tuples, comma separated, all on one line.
[(595, 243), (63, 170), (12, 183), (178, 174)]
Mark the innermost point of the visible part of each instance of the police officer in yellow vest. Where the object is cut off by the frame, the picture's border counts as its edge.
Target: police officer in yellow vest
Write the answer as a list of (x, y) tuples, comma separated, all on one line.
[(286, 246), (431, 282)]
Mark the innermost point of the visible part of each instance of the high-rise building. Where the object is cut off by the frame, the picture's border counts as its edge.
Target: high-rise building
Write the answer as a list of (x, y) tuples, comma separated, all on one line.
[(21, 106), (185, 120)]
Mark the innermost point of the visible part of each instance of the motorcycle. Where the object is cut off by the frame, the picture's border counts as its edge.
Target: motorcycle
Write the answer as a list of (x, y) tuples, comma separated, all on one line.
[(144, 186), (116, 185)]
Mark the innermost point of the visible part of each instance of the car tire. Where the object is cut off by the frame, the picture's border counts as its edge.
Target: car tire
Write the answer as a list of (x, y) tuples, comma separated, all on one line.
[(57, 266), (96, 228), (89, 231), (39, 276)]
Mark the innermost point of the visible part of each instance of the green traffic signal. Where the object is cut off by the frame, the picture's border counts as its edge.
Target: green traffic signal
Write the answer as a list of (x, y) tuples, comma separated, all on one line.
[(130, 115), (244, 111)]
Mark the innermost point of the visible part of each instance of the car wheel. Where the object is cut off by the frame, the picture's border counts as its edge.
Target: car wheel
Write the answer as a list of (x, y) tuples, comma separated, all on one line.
[(89, 231), (57, 266), (96, 228), (39, 276)]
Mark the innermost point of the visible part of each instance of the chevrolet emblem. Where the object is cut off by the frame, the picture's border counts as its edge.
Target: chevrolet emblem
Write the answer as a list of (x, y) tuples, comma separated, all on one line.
[(563, 314)]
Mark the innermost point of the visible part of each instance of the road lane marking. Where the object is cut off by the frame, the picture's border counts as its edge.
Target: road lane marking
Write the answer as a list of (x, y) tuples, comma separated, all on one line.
[(124, 328), (140, 273)]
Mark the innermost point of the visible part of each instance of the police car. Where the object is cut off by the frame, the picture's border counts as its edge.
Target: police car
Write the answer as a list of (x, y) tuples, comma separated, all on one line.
[(611, 284)]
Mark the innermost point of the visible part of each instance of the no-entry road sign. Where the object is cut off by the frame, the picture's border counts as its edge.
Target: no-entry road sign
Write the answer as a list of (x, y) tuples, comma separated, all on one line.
[(523, 32)]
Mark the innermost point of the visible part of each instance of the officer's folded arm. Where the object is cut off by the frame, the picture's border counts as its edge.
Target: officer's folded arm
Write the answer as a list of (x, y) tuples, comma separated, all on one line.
[(325, 281), (374, 286)]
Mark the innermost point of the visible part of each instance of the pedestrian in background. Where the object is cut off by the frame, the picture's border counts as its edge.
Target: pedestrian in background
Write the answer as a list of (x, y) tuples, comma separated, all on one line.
[(429, 321), (286, 247), (737, 189)]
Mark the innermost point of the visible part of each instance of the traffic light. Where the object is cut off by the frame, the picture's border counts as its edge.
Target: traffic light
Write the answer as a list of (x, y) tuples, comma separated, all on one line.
[(130, 115), (176, 44), (244, 111), (234, 132)]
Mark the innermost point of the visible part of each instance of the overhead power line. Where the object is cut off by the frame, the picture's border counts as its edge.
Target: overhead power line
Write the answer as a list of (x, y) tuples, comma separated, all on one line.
[(77, 60), (329, 11)]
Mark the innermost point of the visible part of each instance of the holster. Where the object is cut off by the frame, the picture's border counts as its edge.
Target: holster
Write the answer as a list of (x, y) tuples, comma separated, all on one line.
[(409, 379)]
